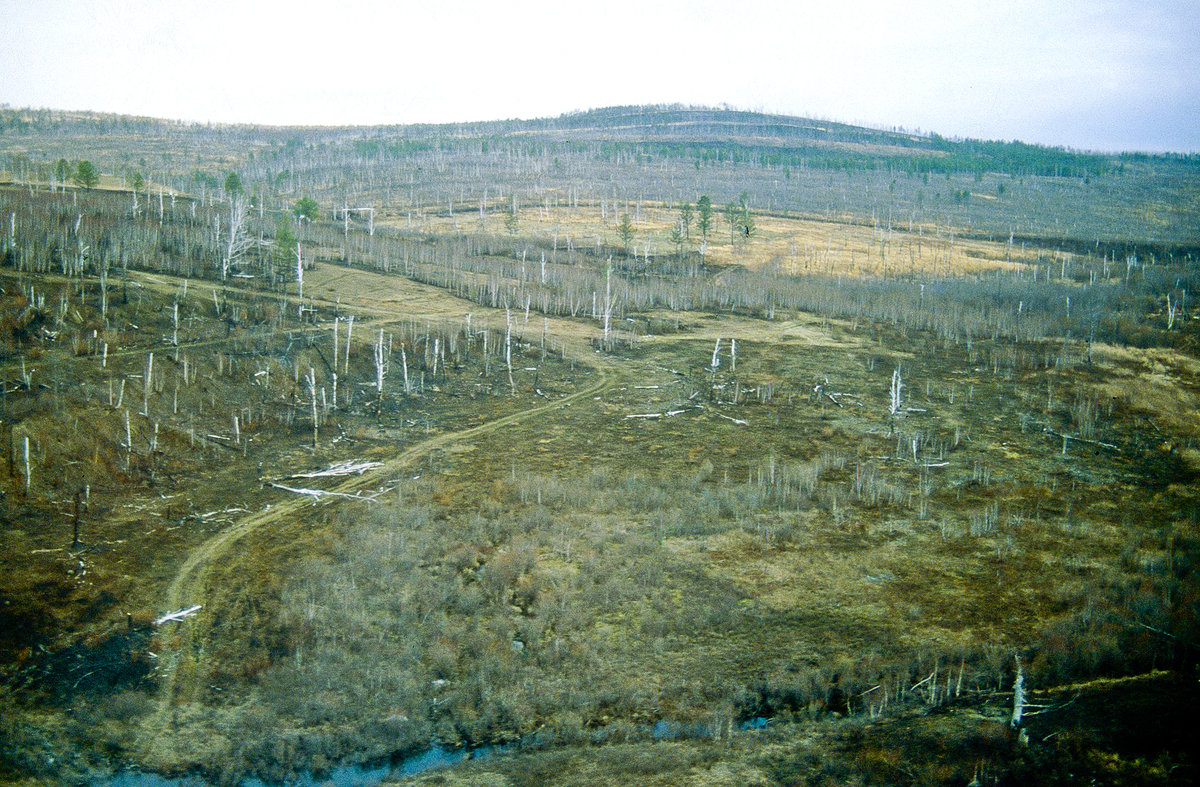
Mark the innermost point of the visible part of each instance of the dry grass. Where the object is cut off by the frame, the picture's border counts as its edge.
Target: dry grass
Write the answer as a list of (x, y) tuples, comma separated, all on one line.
[(790, 245), (651, 567), (1162, 385)]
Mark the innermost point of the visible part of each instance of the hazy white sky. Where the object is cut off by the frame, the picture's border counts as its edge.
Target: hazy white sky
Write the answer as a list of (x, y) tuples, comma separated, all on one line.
[(1105, 74)]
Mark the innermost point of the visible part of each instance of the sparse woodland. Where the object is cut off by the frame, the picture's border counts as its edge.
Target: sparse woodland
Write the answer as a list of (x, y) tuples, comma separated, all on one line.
[(650, 444)]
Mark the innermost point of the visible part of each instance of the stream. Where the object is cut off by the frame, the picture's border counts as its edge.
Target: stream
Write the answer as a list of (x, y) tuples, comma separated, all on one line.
[(433, 758)]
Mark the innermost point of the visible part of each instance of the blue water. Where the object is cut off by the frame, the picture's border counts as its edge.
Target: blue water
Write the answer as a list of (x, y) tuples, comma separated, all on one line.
[(431, 759), (342, 776)]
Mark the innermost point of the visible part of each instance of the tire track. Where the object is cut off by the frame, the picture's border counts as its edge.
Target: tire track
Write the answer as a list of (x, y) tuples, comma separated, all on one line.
[(190, 582)]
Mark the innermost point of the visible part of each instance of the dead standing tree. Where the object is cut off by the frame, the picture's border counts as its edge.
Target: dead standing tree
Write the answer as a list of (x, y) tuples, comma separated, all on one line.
[(311, 379), (508, 351), (380, 368), (238, 241), (607, 300), (713, 365), (25, 457), (895, 391), (300, 287), (1019, 697)]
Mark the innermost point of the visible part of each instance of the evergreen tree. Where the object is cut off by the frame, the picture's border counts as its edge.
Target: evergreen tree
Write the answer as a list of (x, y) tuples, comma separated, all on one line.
[(306, 209), (85, 175), (704, 214), (625, 231)]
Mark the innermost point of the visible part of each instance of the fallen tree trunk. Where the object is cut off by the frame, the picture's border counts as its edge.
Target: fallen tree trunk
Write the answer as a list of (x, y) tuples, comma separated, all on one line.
[(177, 615)]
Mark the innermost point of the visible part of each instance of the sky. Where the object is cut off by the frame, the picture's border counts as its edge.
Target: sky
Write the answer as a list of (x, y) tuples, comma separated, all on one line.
[(1096, 75)]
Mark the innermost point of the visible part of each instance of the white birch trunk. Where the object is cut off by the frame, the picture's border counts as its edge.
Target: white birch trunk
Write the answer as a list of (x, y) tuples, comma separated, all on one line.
[(299, 281), (607, 298), (312, 394), (1019, 698), (508, 350), (379, 364)]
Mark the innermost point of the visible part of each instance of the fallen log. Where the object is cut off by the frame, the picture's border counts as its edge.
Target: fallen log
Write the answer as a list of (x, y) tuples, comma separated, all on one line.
[(177, 615), (1078, 439), (666, 414), (211, 514), (317, 494), (345, 468)]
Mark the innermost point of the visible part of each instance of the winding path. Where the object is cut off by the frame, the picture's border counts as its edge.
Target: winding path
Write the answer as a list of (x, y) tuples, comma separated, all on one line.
[(190, 582)]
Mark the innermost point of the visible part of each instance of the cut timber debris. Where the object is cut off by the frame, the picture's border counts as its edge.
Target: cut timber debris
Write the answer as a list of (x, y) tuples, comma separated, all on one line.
[(1078, 439), (345, 468), (234, 510), (317, 494), (177, 615)]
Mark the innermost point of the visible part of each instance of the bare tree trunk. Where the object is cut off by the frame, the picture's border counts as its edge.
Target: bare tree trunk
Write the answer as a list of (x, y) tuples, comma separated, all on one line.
[(146, 383), (897, 387), (25, 451), (379, 364), (299, 282), (607, 298), (486, 359), (235, 246), (104, 292), (508, 350), (75, 528), (312, 393), (1019, 698)]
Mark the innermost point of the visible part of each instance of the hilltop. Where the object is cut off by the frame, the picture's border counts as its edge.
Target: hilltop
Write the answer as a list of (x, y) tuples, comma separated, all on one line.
[(662, 154)]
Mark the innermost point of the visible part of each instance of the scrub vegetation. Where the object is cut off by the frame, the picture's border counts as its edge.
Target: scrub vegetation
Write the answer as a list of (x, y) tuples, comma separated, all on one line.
[(653, 445)]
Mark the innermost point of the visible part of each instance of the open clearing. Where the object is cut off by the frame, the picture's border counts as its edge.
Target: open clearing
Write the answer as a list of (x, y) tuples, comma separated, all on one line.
[(475, 471), (904, 536)]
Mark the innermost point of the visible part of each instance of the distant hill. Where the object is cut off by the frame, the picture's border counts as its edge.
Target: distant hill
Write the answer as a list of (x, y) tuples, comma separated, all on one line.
[(665, 153)]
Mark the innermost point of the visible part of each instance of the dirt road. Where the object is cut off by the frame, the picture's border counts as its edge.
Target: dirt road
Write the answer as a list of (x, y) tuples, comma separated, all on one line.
[(393, 300)]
